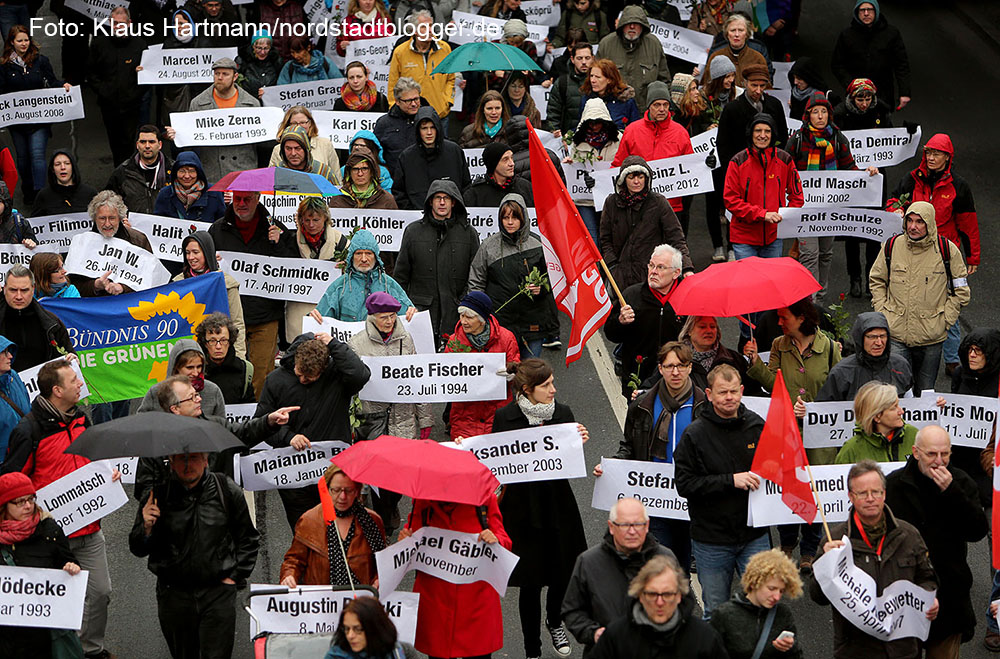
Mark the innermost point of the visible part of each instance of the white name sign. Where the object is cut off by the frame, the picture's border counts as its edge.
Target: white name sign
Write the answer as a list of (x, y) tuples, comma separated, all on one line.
[(419, 328), (29, 377), (541, 94), (541, 12), (166, 234), (759, 405), (293, 280), (576, 183), (704, 144), (39, 597), (831, 423), (315, 95), (286, 468), (316, 610), (856, 222), (95, 9), (968, 419), (448, 555), (91, 255), (20, 255), (652, 483), (539, 453), (462, 376), (127, 467), (781, 70), (42, 106), (900, 612), (58, 230), (680, 176), (681, 42), (239, 412), (474, 160), (849, 188), (485, 220), (173, 66), (340, 127), (225, 126), (386, 225), (882, 147), (82, 496)]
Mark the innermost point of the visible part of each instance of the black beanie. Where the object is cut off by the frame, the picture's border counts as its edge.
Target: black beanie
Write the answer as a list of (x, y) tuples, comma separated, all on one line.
[(492, 154)]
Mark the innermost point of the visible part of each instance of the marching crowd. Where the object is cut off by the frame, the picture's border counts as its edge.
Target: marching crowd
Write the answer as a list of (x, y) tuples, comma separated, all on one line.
[(615, 97)]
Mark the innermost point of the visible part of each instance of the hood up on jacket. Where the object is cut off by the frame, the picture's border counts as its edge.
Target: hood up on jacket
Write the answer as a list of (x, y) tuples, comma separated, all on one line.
[(188, 159), (74, 179), (364, 239), (986, 339), (296, 134), (317, 62), (878, 12), (7, 344), (926, 211), (429, 113), (595, 111), (370, 137), (522, 232), (630, 165), (179, 348), (938, 142), (806, 69), (632, 14), (818, 99), (762, 118), (361, 154), (864, 323), (447, 186), (207, 245)]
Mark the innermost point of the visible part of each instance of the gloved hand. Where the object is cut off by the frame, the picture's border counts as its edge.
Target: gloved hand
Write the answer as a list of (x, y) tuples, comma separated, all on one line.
[(710, 160), (910, 127), (425, 433), (588, 179)]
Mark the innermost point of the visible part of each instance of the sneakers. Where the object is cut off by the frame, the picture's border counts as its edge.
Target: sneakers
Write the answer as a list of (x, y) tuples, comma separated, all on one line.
[(560, 641), (552, 343), (730, 255), (719, 255)]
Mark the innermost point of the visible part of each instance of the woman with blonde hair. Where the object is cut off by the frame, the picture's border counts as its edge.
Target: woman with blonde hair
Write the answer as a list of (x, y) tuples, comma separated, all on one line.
[(605, 82), (315, 238), (490, 123), (880, 433), (320, 147), (768, 577)]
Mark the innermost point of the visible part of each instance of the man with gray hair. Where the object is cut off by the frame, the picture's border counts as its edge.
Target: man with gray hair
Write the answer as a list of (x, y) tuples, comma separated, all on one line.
[(597, 593), (417, 57), (110, 217), (395, 129), (38, 333), (647, 320)]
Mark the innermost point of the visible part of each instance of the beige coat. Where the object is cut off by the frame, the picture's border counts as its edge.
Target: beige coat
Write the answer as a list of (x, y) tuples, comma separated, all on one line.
[(294, 311), (235, 312), (320, 149), (915, 299)]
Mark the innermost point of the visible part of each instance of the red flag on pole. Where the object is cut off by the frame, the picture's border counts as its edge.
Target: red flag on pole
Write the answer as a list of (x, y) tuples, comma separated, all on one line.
[(780, 456), (571, 256)]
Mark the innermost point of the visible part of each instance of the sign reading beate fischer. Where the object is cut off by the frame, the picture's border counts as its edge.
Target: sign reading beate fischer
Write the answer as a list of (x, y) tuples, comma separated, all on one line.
[(847, 188), (456, 376), (538, 453), (292, 280), (40, 597), (91, 255), (854, 222), (681, 176), (226, 126), (42, 106), (652, 483), (342, 330), (287, 468), (82, 497), (171, 66), (451, 556)]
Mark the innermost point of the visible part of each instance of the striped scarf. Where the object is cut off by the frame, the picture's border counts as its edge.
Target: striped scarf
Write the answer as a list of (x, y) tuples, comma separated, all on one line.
[(820, 145), (359, 102)]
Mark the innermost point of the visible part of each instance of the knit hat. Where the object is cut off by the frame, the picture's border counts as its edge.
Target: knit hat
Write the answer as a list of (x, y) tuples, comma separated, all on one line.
[(382, 302), (478, 303), (657, 91), (262, 33), (14, 486), (743, 7), (720, 67), (756, 72), (515, 27), (225, 63), (679, 86), (493, 153), (861, 85)]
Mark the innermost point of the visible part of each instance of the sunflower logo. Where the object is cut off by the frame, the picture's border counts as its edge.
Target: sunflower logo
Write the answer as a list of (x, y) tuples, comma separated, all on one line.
[(177, 313)]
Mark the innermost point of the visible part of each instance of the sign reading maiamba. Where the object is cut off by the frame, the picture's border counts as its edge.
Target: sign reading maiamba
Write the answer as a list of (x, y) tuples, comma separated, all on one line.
[(287, 468)]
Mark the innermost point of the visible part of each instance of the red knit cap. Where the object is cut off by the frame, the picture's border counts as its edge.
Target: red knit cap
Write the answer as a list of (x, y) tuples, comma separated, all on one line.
[(14, 486)]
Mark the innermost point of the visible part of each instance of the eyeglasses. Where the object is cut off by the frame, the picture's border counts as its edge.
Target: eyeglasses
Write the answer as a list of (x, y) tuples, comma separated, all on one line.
[(23, 500), (337, 491), (630, 525), (658, 268), (195, 397), (973, 350), (870, 494), (217, 342), (408, 101), (304, 122), (654, 596), (877, 337), (361, 170), (674, 368)]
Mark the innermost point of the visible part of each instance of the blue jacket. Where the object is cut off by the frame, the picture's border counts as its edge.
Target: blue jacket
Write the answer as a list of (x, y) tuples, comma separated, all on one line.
[(385, 178), (320, 68), (14, 389), (622, 108), (345, 298), (207, 208), (67, 290)]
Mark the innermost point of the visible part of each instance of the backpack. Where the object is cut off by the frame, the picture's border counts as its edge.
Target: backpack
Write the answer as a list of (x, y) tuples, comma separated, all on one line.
[(943, 246)]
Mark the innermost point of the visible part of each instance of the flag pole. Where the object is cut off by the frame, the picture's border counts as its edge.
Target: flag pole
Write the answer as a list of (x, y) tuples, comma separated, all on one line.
[(614, 284), (819, 506)]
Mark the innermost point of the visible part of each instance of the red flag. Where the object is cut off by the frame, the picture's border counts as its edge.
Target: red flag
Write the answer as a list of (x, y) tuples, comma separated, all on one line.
[(996, 500), (570, 254), (780, 456)]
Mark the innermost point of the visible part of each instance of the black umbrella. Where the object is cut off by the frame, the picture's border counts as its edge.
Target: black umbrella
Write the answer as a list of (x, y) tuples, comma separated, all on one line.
[(153, 435)]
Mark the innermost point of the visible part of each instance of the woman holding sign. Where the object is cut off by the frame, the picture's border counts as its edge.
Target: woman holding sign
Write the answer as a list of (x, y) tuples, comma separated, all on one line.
[(542, 518), (880, 432)]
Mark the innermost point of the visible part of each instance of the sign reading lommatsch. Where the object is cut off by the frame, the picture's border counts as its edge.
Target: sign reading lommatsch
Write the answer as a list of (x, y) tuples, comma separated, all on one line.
[(831, 423), (225, 126), (679, 42), (315, 95), (882, 147), (539, 453), (848, 188), (652, 483), (82, 496), (166, 234), (41, 106), (680, 176), (461, 376), (855, 222), (58, 230), (419, 328), (171, 66), (899, 612), (293, 280), (287, 468), (91, 255), (448, 555), (39, 597), (386, 225)]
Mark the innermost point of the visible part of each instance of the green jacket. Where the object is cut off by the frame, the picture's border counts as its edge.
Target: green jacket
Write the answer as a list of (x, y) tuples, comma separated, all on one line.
[(593, 23), (863, 446), (640, 62)]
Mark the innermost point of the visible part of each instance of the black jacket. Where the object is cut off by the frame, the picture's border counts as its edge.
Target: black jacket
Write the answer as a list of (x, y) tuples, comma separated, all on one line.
[(711, 450), (984, 382), (129, 182), (637, 440), (255, 73), (693, 638), (517, 139), (486, 192), (395, 131), (55, 198), (876, 52), (231, 377), (419, 166), (381, 104), (807, 69), (739, 623), (948, 521), (112, 71), (39, 75), (735, 118), (846, 115), (13, 232), (434, 259), (38, 333), (256, 310), (849, 374), (203, 535)]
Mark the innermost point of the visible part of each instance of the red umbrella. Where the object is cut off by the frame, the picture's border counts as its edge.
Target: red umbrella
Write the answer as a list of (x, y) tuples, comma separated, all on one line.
[(419, 468), (744, 286)]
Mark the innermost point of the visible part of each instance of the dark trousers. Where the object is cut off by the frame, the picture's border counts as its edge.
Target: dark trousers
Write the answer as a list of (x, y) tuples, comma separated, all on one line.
[(529, 607), (852, 249), (386, 504), (713, 207), (789, 534), (675, 535), (120, 124), (298, 501), (199, 623)]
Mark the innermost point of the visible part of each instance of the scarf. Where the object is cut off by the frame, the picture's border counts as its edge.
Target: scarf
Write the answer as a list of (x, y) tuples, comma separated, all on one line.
[(821, 155), (16, 59), (247, 229), (660, 447), (802, 95), (13, 531), (537, 413), (720, 12), (506, 185), (359, 102), (640, 616), (480, 340), (363, 195), (160, 177), (366, 18), (63, 417), (188, 196), (596, 136), (875, 532), (492, 131), (631, 199), (338, 568), (315, 243), (706, 358)]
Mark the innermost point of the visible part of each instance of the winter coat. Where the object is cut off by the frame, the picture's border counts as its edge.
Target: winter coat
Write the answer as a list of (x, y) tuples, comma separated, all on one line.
[(469, 419), (873, 51), (405, 419), (128, 181), (983, 382), (333, 242), (904, 557), (736, 116), (642, 423), (437, 88), (13, 231), (853, 371), (653, 141), (256, 73), (310, 164), (385, 175), (233, 376), (746, 57), (808, 70), (581, 150), (633, 636), (623, 107), (640, 62), (282, 20), (485, 192), (345, 298), (55, 198), (221, 160), (308, 559), (321, 152), (457, 620), (919, 312), (14, 389), (947, 521), (38, 333), (39, 75), (847, 116), (319, 68), (212, 401), (593, 22), (112, 71), (527, 109), (518, 140), (711, 450), (469, 140), (703, 12), (134, 237), (740, 623), (542, 518), (630, 233), (434, 259), (864, 446), (563, 110), (799, 145), (419, 166), (951, 196), (227, 238), (208, 207), (499, 269), (396, 130)]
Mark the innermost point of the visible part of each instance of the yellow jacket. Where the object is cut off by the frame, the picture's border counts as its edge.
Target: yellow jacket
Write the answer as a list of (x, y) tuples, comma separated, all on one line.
[(438, 89)]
